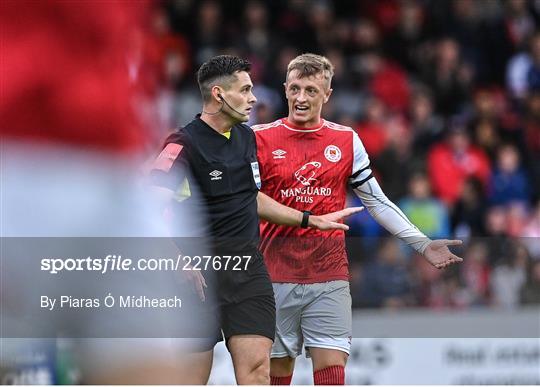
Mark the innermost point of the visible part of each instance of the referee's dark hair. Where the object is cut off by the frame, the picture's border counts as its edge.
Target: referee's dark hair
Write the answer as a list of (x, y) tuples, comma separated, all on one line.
[(220, 68)]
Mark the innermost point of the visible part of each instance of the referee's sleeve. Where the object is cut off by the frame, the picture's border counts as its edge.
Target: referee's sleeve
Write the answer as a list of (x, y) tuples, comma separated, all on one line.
[(361, 170), (169, 168)]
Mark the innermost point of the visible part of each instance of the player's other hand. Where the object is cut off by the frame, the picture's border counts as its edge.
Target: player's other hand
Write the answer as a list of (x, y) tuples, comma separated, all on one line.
[(438, 254), (197, 280), (329, 222)]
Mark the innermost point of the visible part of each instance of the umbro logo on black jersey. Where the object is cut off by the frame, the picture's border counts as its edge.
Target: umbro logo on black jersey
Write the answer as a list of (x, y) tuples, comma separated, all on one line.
[(279, 154), (216, 175)]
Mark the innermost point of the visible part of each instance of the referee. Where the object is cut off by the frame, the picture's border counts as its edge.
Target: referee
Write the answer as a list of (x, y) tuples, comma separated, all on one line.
[(220, 155)]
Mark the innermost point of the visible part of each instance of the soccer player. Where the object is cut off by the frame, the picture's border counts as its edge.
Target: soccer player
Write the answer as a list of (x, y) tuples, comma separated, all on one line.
[(306, 163), (220, 152)]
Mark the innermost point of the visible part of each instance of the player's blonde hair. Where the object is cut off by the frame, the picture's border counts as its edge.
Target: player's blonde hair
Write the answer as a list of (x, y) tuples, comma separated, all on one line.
[(311, 65)]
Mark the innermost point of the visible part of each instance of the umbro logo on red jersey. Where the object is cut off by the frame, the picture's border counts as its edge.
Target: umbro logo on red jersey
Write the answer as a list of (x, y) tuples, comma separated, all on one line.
[(216, 175), (279, 154)]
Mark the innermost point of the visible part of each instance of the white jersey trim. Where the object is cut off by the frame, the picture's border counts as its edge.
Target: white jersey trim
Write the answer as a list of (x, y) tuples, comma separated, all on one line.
[(271, 125), (305, 130), (334, 126), (361, 158)]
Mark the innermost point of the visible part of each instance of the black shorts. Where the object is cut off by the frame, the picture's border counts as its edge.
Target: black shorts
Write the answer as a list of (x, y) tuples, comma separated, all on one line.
[(252, 316), (246, 303)]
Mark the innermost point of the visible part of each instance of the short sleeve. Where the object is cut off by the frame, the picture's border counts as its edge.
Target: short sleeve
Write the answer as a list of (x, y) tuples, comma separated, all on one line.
[(169, 168), (361, 170)]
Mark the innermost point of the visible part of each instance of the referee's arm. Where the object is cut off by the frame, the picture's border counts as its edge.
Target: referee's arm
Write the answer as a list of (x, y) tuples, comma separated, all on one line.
[(270, 210)]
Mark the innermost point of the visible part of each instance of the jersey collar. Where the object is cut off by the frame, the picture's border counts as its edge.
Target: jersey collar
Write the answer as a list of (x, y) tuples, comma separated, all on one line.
[(296, 128), (210, 129)]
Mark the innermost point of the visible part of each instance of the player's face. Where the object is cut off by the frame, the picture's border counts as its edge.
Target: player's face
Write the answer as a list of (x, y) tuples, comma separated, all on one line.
[(306, 97), (238, 97)]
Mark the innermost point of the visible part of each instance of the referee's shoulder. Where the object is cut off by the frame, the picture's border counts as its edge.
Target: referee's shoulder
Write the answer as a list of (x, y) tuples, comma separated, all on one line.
[(179, 135)]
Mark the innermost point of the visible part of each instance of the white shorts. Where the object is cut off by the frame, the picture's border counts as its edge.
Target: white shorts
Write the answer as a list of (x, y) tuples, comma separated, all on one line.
[(312, 315)]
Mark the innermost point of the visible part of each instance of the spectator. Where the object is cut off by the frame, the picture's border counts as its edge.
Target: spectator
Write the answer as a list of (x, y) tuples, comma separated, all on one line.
[(425, 125), (520, 65), (532, 136), (451, 162), (292, 26), (386, 282), (486, 136), (320, 17), (519, 22), (508, 181), (449, 77), (397, 152), (476, 273), (348, 98), (168, 44), (508, 278), (209, 35), (390, 84), (449, 292), (402, 43), (426, 212), (530, 293), (469, 211), (373, 129), (516, 218), (533, 72)]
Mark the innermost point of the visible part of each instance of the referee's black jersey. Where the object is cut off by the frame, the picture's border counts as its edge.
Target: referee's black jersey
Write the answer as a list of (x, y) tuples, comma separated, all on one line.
[(226, 173)]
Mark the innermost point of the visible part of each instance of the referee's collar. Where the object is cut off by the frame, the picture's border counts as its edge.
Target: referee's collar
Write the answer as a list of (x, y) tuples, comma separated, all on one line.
[(207, 126)]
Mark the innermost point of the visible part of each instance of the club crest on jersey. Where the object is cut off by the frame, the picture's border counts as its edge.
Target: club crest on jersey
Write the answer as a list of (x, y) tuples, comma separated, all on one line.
[(256, 174), (332, 153), (279, 154)]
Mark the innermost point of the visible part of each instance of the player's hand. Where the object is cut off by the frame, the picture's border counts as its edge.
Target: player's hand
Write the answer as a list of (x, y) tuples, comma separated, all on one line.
[(197, 280), (329, 221), (438, 254)]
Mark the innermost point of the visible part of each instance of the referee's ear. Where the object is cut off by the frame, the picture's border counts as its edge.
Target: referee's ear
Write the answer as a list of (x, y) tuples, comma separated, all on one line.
[(216, 94)]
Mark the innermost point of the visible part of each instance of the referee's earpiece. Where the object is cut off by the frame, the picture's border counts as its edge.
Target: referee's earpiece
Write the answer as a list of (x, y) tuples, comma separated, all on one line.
[(223, 101)]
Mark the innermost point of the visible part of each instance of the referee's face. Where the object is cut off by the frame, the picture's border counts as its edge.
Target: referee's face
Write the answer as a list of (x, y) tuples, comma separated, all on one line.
[(239, 98)]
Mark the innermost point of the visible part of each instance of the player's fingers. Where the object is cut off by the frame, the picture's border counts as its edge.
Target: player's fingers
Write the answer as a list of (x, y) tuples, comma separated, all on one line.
[(350, 211), (345, 212), (456, 259), (452, 242), (337, 226)]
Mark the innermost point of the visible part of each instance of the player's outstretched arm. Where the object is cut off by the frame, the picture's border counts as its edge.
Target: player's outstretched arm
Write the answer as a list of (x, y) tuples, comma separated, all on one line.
[(388, 215), (275, 212)]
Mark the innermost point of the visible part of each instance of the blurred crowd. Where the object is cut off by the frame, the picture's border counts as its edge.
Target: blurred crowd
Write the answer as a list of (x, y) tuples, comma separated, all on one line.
[(445, 95)]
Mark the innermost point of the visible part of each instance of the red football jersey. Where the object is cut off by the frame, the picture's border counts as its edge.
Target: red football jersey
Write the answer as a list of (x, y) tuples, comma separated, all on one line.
[(309, 170)]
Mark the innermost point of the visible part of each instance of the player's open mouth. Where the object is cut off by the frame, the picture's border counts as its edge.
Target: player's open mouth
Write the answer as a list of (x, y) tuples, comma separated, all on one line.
[(301, 108)]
